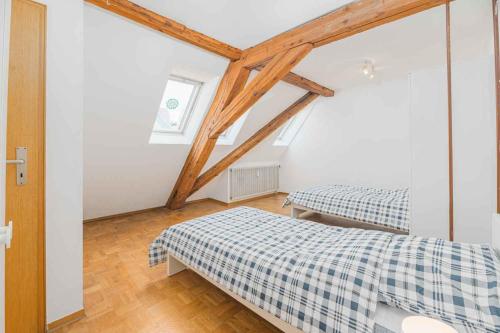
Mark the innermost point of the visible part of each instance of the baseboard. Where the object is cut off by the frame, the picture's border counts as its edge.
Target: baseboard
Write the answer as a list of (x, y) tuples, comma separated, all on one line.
[(71, 318), (123, 214), (197, 201), (239, 202)]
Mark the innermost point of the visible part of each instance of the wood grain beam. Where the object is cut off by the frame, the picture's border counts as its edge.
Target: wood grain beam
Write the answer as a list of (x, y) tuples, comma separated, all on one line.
[(254, 140), (167, 26), (496, 43), (179, 31), (231, 84), (273, 72), (343, 22), (451, 210), (305, 84)]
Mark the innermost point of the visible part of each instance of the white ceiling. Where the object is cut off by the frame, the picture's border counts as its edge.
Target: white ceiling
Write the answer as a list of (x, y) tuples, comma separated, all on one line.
[(242, 23), (397, 48)]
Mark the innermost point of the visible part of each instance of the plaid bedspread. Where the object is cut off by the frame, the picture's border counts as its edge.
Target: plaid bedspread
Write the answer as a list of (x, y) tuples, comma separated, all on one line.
[(315, 277), (388, 208), (320, 278), (453, 282)]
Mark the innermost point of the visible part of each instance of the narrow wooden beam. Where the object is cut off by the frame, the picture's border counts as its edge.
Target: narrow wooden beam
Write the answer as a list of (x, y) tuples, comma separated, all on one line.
[(273, 72), (254, 140), (233, 100), (497, 91), (451, 209), (231, 84), (179, 31), (305, 84), (167, 26), (343, 22)]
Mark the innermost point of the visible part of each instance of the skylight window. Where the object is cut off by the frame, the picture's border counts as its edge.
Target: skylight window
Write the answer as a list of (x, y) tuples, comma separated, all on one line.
[(176, 105), (228, 137), (285, 128), (292, 127)]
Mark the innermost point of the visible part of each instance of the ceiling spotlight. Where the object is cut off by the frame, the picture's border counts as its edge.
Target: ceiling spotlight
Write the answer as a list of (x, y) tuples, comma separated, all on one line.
[(368, 69)]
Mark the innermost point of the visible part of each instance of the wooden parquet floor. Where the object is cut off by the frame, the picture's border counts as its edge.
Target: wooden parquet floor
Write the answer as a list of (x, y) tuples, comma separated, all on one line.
[(122, 294)]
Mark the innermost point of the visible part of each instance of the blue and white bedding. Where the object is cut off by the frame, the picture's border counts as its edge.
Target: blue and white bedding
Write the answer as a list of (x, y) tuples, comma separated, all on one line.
[(388, 208), (314, 277), (321, 278), (454, 282)]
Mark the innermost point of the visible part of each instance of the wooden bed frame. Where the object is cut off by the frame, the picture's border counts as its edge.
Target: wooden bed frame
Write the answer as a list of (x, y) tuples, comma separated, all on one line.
[(391, 319), (298, 210), (175, 265)]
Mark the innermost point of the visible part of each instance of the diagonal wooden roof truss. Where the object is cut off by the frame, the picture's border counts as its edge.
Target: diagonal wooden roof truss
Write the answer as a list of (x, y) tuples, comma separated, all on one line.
[(274, 59)]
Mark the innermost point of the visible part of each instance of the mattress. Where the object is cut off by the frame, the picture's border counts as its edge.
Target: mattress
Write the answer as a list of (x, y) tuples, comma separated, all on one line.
[(321, 278), (383, 207), (389, 319)]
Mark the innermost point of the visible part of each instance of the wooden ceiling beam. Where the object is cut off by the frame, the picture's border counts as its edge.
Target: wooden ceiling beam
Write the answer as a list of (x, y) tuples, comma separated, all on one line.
[(253, 141), (232, 83), (167, 26), (179, 31), (353, 18), (273, 72), (231, 101), (306, 84)]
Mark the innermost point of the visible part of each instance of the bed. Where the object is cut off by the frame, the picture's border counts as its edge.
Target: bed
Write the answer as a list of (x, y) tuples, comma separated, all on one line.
[(304, 276), (381, 207)]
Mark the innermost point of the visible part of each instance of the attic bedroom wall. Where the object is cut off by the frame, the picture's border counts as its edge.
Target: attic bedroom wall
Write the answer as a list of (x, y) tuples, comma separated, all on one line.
[(393, 132), (126, 69)]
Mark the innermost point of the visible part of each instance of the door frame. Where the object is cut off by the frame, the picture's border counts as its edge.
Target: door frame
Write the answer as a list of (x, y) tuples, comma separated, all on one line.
[(5, 29), (4, 70)]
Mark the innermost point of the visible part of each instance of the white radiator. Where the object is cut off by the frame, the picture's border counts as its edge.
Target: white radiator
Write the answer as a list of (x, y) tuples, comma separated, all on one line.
[(248, 182)]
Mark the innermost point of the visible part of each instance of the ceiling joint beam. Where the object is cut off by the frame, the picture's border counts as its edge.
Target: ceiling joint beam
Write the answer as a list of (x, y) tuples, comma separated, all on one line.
[(232, 83), (350, 19), (174, 29), (273, 72), (254, 140)]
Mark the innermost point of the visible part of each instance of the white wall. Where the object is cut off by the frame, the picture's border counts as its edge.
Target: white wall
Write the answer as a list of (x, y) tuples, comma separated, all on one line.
[(360, 136), (337, 139), (474, 122), (474, 160), (429, 152), (4, 56), (126, 69), (64, 108)]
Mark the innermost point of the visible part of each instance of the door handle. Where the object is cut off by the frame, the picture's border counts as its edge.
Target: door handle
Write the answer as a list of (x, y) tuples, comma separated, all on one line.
[(21, 162), (15, 161)]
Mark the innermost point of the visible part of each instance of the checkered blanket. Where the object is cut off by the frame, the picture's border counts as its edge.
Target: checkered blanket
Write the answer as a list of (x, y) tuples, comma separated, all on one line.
[(320, 278), (388, 208), (315, 277), (453, 282)]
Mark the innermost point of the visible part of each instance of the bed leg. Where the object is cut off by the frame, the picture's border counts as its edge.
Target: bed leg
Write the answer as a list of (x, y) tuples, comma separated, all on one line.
[(296, 212), (174, 266)]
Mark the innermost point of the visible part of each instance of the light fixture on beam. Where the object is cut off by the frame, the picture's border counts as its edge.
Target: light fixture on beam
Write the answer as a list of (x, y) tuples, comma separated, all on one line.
[(368, 69)]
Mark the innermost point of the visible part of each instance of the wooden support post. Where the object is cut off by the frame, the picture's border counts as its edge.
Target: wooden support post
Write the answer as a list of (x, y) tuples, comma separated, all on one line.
[(233, 108), (496, 43), (231, 84), (450, 125), (273, 72), (254, 140)]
